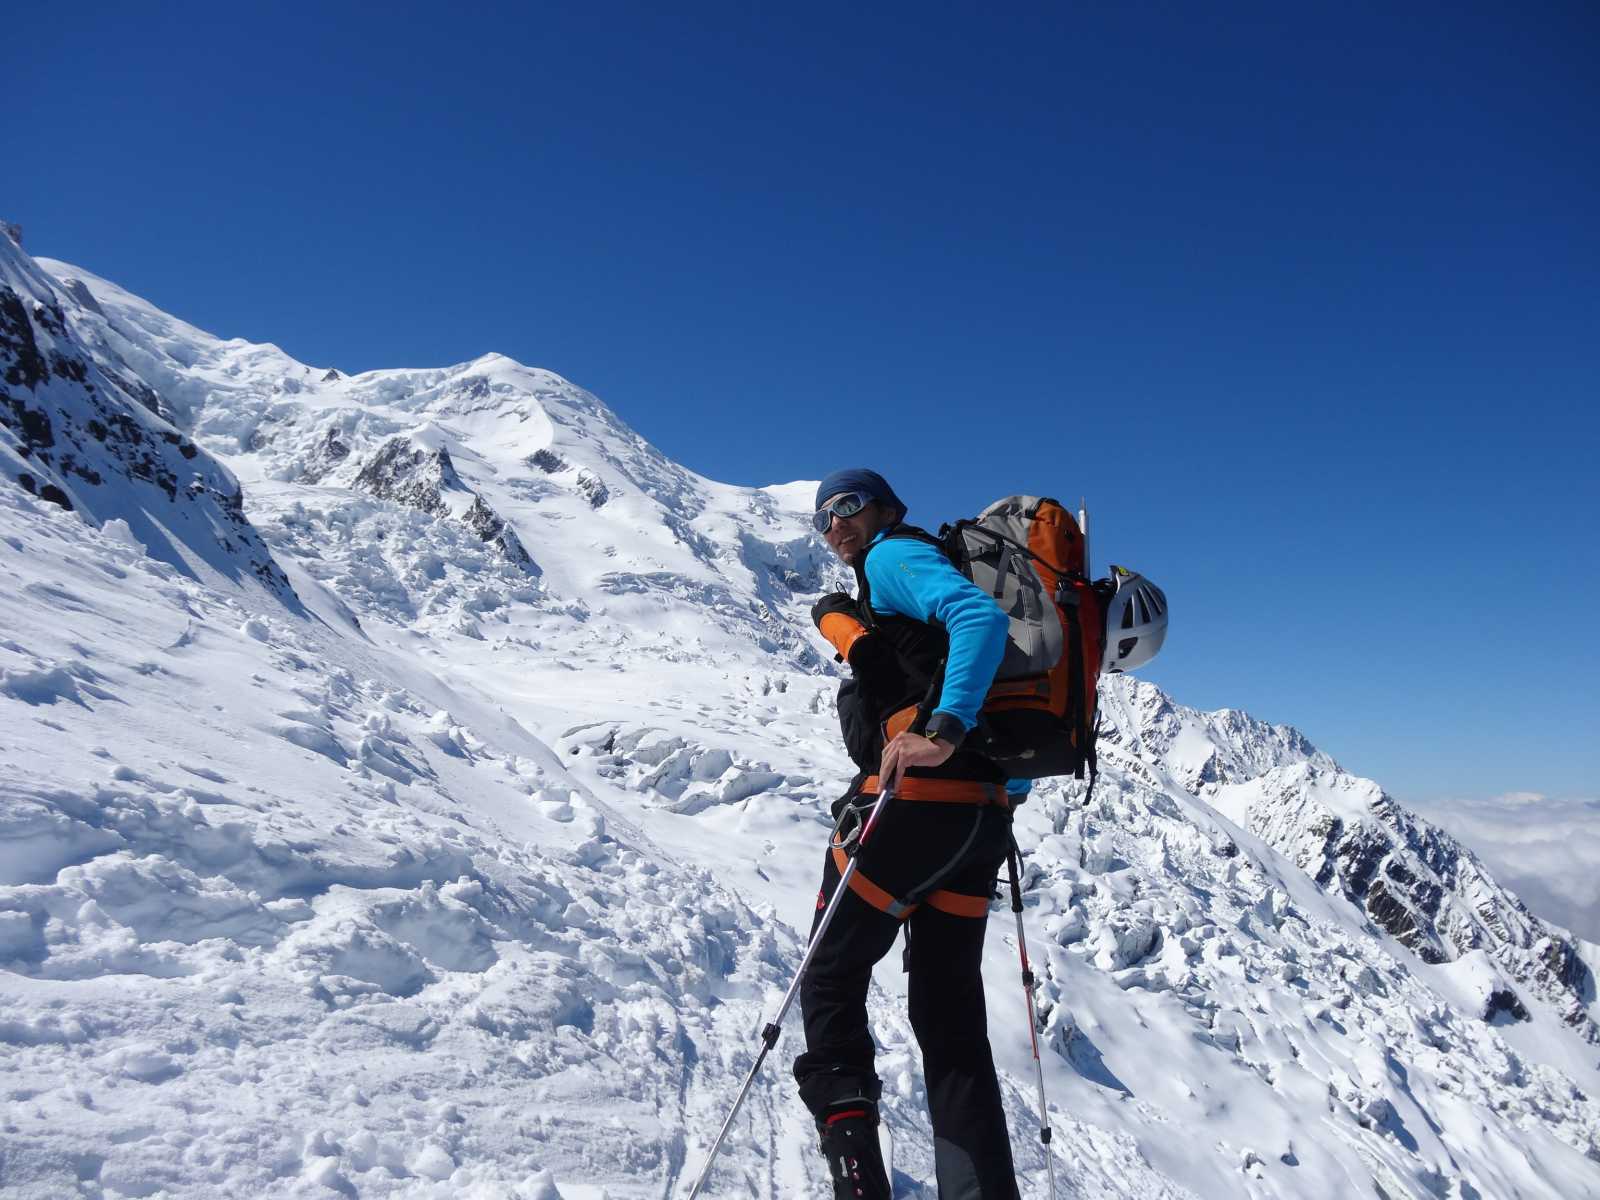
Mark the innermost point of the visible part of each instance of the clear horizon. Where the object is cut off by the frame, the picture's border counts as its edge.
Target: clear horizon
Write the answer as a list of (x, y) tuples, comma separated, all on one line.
[(1304, 303)]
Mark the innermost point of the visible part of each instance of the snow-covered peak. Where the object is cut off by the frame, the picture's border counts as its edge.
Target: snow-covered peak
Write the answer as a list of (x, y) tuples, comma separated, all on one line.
[(1198, 749), (536, 465)]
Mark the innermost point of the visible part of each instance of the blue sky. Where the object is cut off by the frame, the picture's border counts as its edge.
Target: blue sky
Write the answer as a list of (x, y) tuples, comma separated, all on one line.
[(1304, 298)]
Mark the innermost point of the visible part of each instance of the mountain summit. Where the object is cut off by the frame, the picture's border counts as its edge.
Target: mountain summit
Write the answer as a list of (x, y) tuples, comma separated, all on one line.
[(414, 784)]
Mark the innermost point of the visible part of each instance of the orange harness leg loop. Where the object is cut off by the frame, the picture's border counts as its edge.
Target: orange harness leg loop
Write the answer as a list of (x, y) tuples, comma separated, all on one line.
[(871, 892), (957, 904)]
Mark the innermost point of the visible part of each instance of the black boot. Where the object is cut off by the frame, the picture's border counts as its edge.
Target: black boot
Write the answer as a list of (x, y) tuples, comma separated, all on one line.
[(849, 1132)]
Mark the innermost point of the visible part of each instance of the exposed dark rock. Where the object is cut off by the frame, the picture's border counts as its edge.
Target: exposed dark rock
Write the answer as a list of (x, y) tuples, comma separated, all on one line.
[(411, 475), (87, 473), (185, 447), (1359, 856), (591, 485), (55, 495), (13, 231), (50, 318), (593, 488), (417, 477), (26, 367), (483, 520), (547, 461), (329, 453), (491, 527), (1560, 967), (66, 367), (1503, 1003), (1560, 959), (31, 425), (332, 376)]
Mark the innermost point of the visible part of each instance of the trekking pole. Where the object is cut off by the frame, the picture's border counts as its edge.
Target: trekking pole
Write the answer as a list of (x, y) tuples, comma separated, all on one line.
[(1033, 1022), (769, 1035)]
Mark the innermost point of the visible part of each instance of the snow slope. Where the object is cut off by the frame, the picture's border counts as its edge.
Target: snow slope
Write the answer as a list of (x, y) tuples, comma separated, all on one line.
[(461, 848)]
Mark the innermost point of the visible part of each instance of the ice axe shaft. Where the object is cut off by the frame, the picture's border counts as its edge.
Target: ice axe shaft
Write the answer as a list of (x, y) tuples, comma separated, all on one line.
[(769, 1035)]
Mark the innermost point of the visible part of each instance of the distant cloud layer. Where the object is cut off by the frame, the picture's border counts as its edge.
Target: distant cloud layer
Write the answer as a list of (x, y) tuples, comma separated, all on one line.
[(1546, 850)]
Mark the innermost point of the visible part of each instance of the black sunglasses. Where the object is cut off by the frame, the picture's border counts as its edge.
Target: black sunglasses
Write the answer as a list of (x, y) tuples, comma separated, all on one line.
[(847, 505)]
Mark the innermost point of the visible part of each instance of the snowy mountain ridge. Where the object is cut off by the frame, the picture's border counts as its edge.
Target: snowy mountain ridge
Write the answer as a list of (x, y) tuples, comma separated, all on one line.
[(525, 449), (77, 420), (346, 850)]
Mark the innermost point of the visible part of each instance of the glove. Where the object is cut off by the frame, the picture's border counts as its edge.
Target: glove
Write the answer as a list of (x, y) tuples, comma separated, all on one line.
[(833, 602), (838, 619)]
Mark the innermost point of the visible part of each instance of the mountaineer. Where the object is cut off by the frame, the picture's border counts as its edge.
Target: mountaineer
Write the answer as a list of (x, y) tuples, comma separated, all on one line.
[(975, 660), (923, 643)]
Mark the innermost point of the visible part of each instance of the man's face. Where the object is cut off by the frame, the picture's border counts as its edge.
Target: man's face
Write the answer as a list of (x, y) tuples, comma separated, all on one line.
[(848, 536)]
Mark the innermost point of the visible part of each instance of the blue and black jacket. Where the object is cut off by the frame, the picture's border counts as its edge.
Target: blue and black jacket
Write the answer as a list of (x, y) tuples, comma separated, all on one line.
[(913, 612)]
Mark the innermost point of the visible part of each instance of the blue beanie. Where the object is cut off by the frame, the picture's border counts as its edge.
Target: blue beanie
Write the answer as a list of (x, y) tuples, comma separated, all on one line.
[(860, 479)]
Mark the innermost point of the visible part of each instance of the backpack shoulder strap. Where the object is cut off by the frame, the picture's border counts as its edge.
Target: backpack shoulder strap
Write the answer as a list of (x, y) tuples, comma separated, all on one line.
[(915, 532), (863, 588)]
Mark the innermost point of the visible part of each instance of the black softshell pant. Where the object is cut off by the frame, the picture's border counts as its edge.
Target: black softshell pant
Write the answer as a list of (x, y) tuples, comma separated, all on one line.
[(972, 1150)]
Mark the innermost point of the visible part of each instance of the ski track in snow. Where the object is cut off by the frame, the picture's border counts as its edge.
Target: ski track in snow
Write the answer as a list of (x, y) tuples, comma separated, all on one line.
[(463, 848)]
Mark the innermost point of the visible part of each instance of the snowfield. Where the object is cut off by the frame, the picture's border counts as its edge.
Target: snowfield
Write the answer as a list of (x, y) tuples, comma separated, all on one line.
[(414, 784)]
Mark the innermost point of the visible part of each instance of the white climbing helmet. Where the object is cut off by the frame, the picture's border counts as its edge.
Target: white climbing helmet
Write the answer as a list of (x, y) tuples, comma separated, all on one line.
[(1136, 621)]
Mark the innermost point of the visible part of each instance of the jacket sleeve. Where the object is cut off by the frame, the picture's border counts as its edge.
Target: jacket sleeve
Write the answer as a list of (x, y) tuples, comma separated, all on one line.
[(912, 579)]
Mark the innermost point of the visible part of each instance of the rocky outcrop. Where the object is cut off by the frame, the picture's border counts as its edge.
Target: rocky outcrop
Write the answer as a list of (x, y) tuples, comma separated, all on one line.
[(585, 481), (548, 461), (328, 455), (75, 432), (412, 475), (423, 478), (593, 488), (1503, 1005), (491, 527)]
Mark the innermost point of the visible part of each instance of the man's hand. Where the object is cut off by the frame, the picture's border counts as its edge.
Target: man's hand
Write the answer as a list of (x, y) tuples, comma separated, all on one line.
[(910, 750)]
